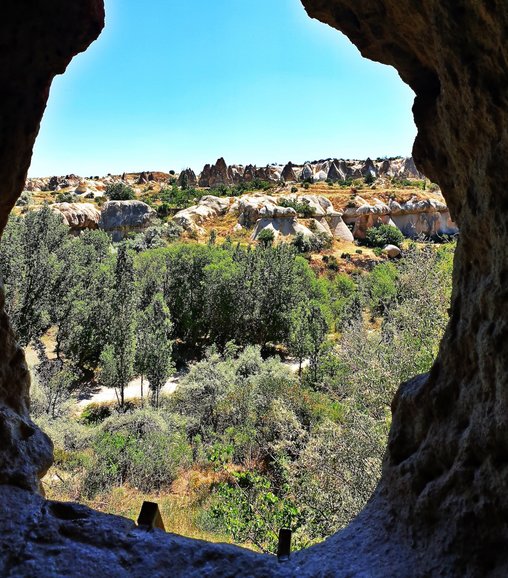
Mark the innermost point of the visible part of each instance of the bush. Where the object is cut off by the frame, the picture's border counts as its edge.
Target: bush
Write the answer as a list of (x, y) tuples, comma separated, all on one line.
[(383, 235), (266, 237), (66, 197), (141, 449), (25, 199), (312, 243), (294, 189), (303, 209), (120, 192)]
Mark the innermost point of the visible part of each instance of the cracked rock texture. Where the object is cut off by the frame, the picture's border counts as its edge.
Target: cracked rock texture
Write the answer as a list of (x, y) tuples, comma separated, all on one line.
[(441, 506)]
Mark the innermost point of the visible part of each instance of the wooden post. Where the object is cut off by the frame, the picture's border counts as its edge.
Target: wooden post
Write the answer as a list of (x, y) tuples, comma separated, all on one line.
[(150, 517), (284, 548)]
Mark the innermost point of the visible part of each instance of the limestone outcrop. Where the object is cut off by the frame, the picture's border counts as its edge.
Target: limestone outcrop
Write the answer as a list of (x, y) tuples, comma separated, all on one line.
[(78, 216), (122, 217)]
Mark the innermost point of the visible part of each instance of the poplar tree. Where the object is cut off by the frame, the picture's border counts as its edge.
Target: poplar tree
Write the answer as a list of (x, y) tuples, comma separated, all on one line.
[(155, 345)]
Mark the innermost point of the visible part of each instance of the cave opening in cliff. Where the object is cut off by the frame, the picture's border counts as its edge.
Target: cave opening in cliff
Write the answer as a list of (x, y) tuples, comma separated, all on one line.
[(254, 432)]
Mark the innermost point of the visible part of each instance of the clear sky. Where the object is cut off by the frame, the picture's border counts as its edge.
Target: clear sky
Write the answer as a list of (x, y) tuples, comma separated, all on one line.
[(177, 83)]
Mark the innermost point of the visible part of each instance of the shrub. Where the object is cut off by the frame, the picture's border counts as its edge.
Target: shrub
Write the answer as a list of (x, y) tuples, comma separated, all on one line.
[(120, 192), (141, 449), (383, 235), (163, 210), (294, 189), (266, 237), (66, 197), (303, 209), (306, 185), (25, 199)]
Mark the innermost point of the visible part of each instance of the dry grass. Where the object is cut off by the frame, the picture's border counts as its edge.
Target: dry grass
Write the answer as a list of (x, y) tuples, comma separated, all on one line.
[(183, 508)]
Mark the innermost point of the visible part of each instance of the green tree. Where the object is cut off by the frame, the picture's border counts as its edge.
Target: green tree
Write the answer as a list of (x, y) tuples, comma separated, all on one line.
[(155, 345), (383, 235), (30, 266), (119, 192), (122, 333)]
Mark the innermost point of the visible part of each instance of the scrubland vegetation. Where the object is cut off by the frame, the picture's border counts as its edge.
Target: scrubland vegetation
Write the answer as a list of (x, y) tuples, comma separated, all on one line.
[(245, 445)]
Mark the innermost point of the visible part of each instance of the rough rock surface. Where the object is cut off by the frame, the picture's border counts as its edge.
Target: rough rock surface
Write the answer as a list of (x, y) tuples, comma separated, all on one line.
[(187, 178), (285, 226), (121, 217), (78, 216), (332, 169), (392, 251), (415, 219)]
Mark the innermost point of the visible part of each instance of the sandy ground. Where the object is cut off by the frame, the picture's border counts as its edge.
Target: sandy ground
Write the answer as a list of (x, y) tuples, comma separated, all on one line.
[(132, 391)]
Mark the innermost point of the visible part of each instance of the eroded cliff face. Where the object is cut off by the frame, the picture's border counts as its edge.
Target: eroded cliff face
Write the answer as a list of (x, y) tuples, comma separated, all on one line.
[(446, 469), (38, 41)]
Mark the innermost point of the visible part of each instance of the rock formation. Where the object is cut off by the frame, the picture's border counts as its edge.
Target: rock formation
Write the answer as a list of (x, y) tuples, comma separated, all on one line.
[(122, 217), (329, 169), (208, 207), (415, 219), (288, 174), (187, 178), (78, 216), (214, 175)]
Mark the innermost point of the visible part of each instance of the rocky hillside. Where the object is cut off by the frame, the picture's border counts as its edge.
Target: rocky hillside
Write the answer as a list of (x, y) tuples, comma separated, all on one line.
[(222, 174), (330, 198)]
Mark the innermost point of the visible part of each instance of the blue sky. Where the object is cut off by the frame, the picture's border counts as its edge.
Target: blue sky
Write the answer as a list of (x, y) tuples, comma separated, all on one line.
[(177, 83)]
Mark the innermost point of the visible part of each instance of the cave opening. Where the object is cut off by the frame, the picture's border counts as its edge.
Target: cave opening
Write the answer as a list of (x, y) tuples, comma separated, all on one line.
[(441, 481)]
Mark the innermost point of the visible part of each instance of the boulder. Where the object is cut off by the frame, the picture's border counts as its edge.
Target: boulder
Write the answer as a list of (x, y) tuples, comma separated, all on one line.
[(78, 216), (392, 251), (82, 188), (122, 217)]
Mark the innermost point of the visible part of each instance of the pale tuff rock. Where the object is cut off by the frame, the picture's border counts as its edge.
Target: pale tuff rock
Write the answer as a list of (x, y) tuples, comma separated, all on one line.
[(281, 226), (392, 251), (209, 207), (78, 216)]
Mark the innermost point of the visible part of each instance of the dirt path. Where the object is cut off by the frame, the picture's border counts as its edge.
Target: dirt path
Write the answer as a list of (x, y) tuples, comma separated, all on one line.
[(132, 391)]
